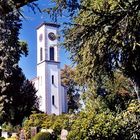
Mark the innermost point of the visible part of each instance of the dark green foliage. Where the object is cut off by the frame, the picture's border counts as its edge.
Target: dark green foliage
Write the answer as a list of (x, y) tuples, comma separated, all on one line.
[(21, 100), (2, 138), (117, 94), (12, 5), (19, 109), (104, 36), (42, 136), (15, 90), (113, 115)]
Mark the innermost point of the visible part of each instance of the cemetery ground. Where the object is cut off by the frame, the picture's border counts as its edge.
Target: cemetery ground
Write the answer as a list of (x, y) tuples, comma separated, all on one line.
[(88, 124)]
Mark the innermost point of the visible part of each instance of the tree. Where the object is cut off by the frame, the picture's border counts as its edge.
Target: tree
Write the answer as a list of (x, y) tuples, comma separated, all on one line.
[(105, 125), (115, 96), (21, 100), (13, 85), (12, 5), (104, 36), (67, 79)]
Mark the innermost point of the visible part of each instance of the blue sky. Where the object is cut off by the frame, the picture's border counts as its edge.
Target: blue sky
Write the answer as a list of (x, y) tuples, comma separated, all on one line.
[(28, 34)]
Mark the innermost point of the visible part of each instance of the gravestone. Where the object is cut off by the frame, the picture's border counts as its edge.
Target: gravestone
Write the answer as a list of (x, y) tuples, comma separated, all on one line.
[(22, 135), (4, 134), (50, 131), (0, 131), (34, 131), (14, 136), (64, 134), (43, 130)]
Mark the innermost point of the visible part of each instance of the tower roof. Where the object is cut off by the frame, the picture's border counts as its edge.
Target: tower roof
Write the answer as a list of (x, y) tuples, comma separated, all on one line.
[(48, 24)]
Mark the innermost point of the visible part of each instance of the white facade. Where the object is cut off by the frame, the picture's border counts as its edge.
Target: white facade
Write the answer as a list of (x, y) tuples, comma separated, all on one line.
[(52, 95)]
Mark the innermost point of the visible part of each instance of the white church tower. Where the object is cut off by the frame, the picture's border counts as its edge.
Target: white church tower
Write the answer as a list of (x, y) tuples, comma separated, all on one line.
[(52, 95)]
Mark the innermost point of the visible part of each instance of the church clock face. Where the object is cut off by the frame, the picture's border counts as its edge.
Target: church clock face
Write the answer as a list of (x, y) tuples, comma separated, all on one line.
[(40, 37), (51, 36)]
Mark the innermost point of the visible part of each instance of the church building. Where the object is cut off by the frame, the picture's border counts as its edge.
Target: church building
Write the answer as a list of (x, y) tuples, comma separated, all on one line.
[(52, 95)]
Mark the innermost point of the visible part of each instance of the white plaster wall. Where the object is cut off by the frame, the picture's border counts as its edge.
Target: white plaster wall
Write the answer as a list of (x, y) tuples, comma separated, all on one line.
[(54, 89), (64, 99), (42, 89), (42, 44), (41, 69), (35, 83)]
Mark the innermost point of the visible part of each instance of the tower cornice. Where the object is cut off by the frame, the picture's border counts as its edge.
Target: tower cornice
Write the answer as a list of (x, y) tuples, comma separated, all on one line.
[(48, 24), (48, 61)]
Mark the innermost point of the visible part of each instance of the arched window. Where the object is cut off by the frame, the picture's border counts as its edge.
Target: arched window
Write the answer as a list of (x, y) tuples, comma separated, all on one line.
[(41, 54), (51, 53), (53, 103), (52, 79)]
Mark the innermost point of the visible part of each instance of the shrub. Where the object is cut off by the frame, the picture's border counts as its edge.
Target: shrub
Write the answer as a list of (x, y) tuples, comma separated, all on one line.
[(9, 128), (106, 125), (2, 138), (57, 123), (42, 136)]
